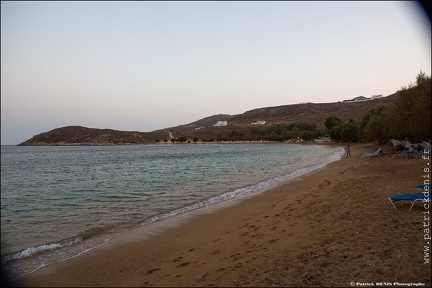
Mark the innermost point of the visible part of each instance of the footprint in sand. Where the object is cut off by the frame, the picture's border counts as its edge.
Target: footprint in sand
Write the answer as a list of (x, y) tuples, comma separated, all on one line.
[(151, 271), (237, 256), (178, 259), (184, 264)]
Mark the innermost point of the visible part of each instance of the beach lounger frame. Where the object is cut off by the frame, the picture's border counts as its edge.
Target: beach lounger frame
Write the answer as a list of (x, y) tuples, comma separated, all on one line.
[(400, 155), (415, 154), (377, 153), (412, 198)]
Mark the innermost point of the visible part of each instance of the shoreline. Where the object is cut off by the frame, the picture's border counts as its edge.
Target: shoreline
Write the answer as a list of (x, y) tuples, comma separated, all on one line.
[(268, 239)]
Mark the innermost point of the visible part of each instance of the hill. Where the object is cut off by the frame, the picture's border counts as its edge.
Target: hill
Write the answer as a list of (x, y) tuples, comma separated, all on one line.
[(78, 135), (313, 113)]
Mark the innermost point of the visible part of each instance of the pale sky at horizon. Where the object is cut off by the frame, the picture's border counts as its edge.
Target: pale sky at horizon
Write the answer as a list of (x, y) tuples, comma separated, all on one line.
[(143, 66)]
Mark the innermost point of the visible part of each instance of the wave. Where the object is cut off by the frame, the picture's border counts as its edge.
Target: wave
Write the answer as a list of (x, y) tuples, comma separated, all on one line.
[(31, 251), (32, 259), (28, 252)]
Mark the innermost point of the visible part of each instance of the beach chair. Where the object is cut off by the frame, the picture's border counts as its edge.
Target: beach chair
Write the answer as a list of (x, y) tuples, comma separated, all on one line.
[(418, 154), (405, 154), (415, 154), (400, 155), (373, 154), (424, 187), (412, 198), (424, 151)]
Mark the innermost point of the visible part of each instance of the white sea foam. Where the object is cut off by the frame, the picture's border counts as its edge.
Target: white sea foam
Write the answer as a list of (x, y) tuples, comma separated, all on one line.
[(39, 249)]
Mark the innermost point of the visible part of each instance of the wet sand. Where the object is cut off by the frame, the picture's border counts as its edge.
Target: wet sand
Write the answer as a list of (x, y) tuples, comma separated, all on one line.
[(334, 227)]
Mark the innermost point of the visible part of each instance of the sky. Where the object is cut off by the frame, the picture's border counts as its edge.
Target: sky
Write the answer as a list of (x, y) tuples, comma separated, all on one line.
[(144, 66)]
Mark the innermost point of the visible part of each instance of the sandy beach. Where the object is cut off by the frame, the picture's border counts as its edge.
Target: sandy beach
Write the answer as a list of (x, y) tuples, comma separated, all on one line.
[(334, 227)]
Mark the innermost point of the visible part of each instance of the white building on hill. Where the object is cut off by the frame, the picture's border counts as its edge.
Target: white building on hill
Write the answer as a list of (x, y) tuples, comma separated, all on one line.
[(221, 123), (377, 96)]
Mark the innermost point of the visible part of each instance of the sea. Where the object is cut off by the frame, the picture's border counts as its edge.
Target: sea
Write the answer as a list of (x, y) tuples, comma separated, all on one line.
[(58, 202)]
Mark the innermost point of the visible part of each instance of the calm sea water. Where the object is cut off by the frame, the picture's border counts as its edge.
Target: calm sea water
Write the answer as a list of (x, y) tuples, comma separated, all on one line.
[(59, 202)]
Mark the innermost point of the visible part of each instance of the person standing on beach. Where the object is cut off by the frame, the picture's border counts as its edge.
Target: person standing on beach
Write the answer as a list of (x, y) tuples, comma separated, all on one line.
[(348, 150)]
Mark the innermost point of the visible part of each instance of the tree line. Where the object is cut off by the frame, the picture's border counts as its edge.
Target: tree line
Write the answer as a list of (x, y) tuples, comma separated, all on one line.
[(275, 132)]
